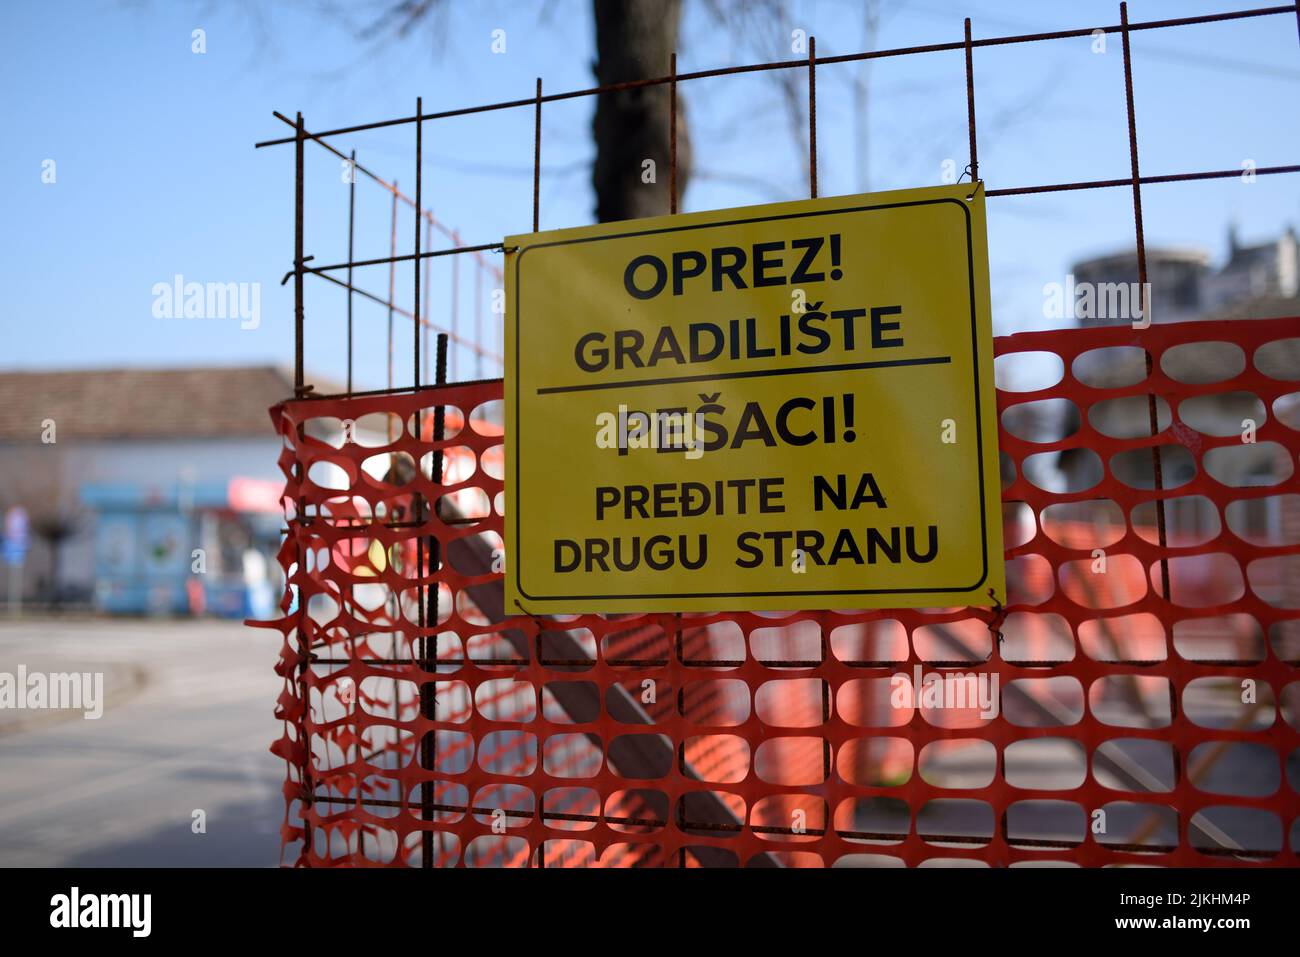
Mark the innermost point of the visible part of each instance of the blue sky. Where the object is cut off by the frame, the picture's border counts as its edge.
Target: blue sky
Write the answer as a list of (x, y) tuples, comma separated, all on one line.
[(157, 174)]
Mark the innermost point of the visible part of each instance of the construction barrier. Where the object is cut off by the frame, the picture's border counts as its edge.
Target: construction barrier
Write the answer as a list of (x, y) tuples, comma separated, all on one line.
[(1131, 700)]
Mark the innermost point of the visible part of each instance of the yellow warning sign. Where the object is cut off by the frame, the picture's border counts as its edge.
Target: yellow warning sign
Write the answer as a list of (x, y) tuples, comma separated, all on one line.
[(775, 407)]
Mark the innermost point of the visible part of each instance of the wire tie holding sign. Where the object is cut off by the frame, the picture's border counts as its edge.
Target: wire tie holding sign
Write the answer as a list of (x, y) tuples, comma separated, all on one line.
[(536, 619), (998, 618)]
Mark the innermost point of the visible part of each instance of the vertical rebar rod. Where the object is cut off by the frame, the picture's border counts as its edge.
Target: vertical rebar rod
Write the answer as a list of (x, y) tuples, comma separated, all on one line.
[(422, 651), (299, 384), (1144, 307), (426, 742), (812, 116), (826, 707), (299, 389), (304, 665), (455, 304), (352, 216), (970, 108), (537, 158), (672, 137), (478, 318), (428, 263), (419, 207), (392, 289), (677, 661), (429, 610), (439, 433), (478, 337)]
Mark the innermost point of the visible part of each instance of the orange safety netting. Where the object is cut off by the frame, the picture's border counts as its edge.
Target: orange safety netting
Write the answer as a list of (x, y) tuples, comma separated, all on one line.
[(1129, 728)]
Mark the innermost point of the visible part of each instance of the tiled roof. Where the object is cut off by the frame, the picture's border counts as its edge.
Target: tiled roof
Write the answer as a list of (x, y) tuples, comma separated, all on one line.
[(142, 403)]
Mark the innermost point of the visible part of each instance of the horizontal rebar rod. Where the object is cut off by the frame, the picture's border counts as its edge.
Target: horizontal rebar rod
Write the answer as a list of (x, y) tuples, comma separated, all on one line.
[(1007, 191), (705, 826), (405, 313), (802, 64), (629, 662), (402, 389), (408, 257), (1144, 180), (716, 662)]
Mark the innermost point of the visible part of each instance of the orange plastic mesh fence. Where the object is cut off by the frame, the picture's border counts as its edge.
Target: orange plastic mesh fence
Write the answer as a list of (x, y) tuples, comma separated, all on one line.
[(1119, 725)]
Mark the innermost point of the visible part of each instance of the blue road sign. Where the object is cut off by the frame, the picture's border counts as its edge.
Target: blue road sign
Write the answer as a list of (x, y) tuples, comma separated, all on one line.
[(17, 539)]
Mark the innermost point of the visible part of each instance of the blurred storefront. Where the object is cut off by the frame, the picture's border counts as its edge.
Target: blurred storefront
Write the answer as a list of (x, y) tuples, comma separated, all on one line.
[(149, 491), (188, 549)]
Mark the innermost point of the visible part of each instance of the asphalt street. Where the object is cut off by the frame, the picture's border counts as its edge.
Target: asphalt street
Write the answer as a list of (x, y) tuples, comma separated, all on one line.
[(186, 726)]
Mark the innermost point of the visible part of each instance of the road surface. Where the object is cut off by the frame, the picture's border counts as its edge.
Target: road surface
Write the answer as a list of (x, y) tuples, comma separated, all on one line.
[(186, 726)]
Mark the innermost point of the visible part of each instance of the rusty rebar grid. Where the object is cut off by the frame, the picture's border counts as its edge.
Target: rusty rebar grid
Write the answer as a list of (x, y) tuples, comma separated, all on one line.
[(803, 64), (1135, 181), (398, 195), (420, 325)]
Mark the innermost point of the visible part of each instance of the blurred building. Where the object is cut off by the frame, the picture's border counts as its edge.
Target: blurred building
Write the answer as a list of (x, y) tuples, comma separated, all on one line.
[(1177, 278), (1261, 271), (149, 491), (1185, 287), (1254, 282)]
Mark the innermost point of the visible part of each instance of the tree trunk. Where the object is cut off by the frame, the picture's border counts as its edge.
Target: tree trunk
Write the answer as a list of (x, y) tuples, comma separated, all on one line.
[(635, 40)]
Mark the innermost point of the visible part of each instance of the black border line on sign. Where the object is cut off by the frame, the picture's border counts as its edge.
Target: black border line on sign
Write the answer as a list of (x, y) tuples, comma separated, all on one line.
[(979, 437), (746, 374)]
